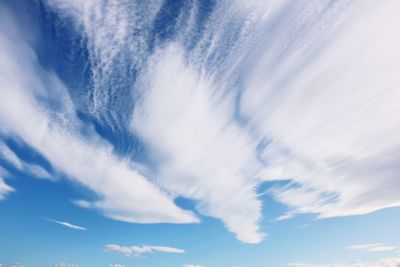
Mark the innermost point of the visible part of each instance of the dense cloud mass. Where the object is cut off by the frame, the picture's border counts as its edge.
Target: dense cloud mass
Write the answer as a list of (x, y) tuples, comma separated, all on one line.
[(147, 101)]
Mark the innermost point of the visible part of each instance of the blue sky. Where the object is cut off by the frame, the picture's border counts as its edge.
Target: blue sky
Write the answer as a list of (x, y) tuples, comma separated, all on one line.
[(199, 133)]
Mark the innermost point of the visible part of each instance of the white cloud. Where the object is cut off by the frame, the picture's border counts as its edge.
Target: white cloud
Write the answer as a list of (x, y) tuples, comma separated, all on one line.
[(4, 189), (320, 89), (64, 264), (372, 247), (329, 131), (387, 262), (263, 7), (208, 156), (203, 175), (37, 171), (116, 265), (3, 172), (326, 100), (91, 163), (110, 41), (69, 225), (7, 154), (307, 96), (139, 250), (192, 265)]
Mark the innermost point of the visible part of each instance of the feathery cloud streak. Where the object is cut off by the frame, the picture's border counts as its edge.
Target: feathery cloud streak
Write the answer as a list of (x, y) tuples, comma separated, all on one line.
[(4, 189), (372, 247), (139, 250), (69, 225), (387, 262)]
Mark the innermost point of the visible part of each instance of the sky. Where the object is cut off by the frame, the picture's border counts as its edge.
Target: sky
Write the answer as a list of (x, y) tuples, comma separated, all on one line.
[(174, 133)]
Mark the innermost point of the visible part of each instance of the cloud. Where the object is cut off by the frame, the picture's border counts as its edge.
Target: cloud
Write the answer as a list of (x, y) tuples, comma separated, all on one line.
[(296, 97), (5, 189), (87, 161), (7, 154), (192, 265), (64, 264), (325, 101), (313, 117), (372, 247), (307, 96), (387, 262), (11, 265), (37, 171), (208, 155), (139, 250), (67, 224)]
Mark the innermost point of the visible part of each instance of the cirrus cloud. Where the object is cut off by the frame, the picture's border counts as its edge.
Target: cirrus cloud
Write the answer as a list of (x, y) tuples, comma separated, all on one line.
[(139, 250), (386, 262), (376, 247)]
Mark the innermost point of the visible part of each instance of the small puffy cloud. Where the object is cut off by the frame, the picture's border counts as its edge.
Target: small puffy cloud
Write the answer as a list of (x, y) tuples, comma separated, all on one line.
[(372, 247), (192, 265), (116, 265), (138, 250), (69, 225)]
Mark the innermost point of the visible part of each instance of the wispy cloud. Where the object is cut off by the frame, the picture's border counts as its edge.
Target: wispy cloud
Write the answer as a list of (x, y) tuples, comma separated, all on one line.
[(387, 262), (332, 131), (206, 150), (4, 189), (37, 171), (139, 250), (7, 154), (64, 264), (192, 265), (332, 134), (67, 224), (87, 160), (372, 247), (295, 96)]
